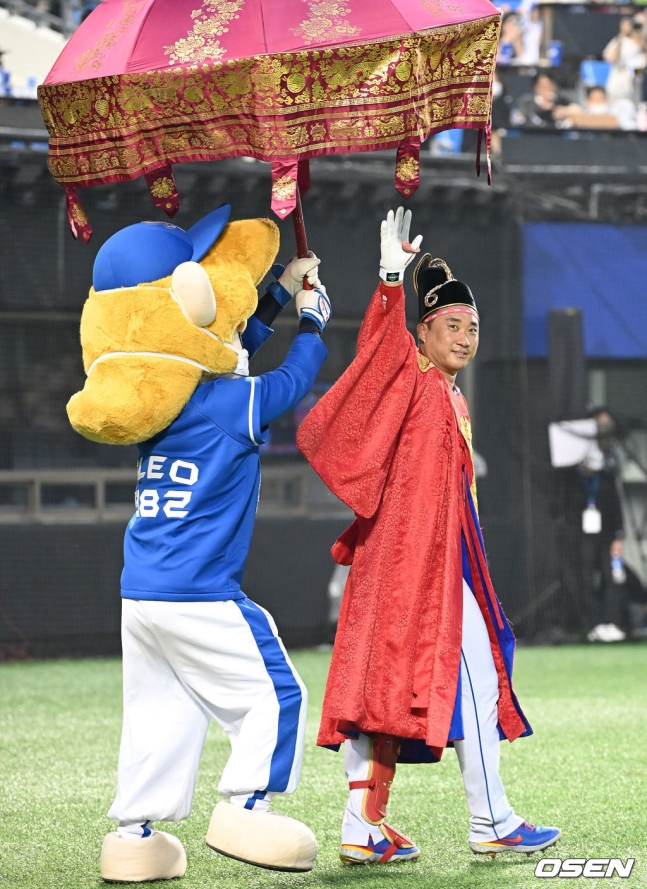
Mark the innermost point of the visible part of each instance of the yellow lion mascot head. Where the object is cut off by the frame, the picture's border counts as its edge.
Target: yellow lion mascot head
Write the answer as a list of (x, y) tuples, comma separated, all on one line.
[(167, 306)]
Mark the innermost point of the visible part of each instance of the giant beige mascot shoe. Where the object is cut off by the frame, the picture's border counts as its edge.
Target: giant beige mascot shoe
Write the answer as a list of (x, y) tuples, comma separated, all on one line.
[(141, 859), (261, 838)]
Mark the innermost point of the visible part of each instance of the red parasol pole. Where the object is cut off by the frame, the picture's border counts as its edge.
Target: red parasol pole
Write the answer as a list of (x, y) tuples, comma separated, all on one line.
[(300, 227), (300, 233)]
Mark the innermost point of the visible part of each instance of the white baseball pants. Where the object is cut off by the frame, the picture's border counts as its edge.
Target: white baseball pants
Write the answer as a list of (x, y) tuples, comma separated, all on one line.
[(187, 662), (491, 816)]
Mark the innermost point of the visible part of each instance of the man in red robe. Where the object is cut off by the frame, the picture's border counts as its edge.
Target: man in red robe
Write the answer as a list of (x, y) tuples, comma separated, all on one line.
[(423, 653)]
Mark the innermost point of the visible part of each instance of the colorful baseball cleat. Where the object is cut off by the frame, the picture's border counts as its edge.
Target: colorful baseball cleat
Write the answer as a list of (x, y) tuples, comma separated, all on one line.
[(394, 847), (526, 838)]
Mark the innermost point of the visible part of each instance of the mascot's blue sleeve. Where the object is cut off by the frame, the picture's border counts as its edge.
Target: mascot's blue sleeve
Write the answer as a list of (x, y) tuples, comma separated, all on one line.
[(283, 388), (255, 334), (244, 407)]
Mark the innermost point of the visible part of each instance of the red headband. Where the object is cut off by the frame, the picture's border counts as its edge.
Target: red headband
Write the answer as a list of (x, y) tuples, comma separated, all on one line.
[(446, 311)]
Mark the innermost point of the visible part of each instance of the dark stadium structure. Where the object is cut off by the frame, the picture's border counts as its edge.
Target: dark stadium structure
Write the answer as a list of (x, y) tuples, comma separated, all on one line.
[(64, 501)]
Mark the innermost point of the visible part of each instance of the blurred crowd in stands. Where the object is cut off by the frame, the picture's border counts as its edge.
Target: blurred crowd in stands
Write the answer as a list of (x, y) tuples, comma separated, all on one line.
[(590, 79), (560, 66), (32, 34), (77, 10)]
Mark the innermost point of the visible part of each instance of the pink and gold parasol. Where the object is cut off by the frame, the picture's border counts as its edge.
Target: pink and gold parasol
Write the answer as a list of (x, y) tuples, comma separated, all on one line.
[(145, 84)]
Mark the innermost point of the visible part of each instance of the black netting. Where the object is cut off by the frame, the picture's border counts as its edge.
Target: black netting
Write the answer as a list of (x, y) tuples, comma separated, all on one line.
[(61, 556)]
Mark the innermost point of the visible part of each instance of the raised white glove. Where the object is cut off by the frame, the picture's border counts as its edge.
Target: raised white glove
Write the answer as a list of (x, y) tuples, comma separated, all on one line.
[(395, 250), (298, 269), (314, 304)]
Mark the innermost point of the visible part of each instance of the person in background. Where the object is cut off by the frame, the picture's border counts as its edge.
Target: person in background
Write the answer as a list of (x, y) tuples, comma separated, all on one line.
[(521, 34), (591, 535), (626, 54), (538, 109), (501, 107), (532, 31), (599, 113), (604, 552), (511, 47)]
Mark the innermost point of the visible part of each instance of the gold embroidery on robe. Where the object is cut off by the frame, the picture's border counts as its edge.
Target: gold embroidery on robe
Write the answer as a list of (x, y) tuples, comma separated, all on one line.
[(424, 363), (466, 429)]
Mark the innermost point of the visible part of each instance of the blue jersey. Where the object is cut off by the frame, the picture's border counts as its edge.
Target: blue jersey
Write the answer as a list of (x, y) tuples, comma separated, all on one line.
[(198, 483)]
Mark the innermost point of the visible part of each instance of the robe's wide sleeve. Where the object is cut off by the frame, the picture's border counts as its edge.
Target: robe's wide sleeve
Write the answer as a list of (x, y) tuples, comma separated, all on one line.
[(350, 435)]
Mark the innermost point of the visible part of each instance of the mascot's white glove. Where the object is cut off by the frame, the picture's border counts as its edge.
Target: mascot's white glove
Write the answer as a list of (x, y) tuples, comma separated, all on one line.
[(315, 305), (298, 269), (396, 251)]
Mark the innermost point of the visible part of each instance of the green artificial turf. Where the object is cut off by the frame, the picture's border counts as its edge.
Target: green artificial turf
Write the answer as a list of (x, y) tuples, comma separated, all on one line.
[(585, 769)]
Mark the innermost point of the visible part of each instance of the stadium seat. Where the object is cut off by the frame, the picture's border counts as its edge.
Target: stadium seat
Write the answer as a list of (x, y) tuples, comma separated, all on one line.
[(594, 72), (449, 142)]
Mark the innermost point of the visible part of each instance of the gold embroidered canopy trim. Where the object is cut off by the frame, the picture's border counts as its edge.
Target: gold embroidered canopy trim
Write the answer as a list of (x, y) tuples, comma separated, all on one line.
[(274, 107)]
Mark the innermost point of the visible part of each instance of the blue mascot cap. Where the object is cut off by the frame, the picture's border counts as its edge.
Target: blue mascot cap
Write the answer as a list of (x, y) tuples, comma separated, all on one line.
[(148, 251)]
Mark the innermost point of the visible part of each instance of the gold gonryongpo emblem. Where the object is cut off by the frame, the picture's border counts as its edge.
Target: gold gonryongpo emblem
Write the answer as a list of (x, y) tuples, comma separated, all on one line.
[(424, 364)]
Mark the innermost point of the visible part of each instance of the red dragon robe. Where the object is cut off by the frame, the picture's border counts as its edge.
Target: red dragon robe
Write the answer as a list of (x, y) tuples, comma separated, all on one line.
[(392, 440)]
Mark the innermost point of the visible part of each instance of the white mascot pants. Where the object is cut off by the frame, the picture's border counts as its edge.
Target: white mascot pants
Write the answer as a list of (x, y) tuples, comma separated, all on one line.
[(187, 662), (491, 816)]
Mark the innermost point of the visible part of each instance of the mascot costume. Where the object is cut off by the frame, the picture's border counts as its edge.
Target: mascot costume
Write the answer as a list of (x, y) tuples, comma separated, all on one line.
[(166, 333)]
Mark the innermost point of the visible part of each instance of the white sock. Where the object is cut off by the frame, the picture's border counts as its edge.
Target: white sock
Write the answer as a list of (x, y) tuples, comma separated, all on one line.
[(356, 830), (251, 801), (135, 831)]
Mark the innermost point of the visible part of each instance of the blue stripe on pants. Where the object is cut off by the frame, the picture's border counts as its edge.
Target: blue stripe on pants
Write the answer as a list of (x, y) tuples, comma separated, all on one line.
[(478, 729), (287, 691)]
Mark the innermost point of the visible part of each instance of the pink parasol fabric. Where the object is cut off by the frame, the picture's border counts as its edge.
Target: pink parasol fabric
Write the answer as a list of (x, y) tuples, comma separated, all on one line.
[(144, 84)]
